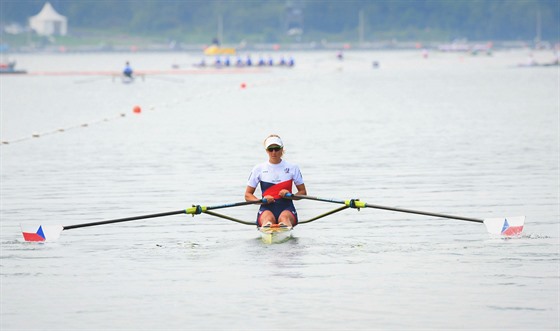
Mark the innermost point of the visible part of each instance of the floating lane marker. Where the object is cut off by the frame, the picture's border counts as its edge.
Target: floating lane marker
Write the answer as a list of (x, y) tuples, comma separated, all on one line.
[(60, 130), (137, 109)]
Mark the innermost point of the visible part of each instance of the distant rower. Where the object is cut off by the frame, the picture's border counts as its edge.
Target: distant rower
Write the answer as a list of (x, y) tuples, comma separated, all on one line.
[(127, 72)]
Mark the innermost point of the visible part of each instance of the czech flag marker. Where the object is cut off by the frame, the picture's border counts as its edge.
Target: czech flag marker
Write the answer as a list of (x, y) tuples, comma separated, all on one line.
[(507, 226), (39, 233)]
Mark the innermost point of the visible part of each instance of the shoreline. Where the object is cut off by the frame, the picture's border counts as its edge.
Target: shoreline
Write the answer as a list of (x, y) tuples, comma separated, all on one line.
[(458, 47)]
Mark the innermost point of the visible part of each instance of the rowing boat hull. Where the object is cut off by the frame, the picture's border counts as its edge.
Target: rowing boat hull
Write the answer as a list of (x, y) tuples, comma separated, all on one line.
[(127, 80), (12, 72), (275, 235)]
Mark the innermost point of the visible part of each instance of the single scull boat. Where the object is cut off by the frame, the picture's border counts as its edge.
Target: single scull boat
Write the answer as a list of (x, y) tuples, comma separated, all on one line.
[(275, 233)]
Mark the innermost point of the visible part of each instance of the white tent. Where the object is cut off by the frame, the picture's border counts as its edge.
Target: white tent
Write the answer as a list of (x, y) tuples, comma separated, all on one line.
[(48, 22)]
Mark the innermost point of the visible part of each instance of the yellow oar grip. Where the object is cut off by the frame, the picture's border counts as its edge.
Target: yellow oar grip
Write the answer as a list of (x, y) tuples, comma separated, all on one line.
[(355, 203), (196, 210)]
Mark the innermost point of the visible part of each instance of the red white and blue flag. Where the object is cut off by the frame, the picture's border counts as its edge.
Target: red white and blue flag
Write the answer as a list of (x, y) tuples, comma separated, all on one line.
[(40, 233), (37, 235), (510, 226)]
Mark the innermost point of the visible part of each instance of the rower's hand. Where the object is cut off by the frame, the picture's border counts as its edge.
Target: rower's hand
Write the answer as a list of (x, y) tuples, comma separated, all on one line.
[(268, 199), (283, 193)]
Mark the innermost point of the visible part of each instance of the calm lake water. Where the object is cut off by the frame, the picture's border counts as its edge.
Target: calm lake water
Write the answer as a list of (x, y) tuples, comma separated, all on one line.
[(474, 136)]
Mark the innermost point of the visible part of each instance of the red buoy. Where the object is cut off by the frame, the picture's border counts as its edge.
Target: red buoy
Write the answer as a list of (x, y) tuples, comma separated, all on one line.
[(137, 109)]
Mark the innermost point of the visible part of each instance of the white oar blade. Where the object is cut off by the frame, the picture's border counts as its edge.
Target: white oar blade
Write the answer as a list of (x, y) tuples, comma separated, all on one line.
[(507, 226), (39, 233)]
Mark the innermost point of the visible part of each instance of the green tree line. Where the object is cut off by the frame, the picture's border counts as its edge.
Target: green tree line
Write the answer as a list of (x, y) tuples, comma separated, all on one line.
[(334, 20)]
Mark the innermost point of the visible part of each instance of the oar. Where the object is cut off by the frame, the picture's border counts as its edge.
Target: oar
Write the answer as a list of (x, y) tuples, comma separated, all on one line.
[(506, 226), (33, 232)]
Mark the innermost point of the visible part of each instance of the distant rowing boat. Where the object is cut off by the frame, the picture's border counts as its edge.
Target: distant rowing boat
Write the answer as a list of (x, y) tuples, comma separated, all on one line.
[(240, 65), (10, 68), (127, 79), (534, 64)]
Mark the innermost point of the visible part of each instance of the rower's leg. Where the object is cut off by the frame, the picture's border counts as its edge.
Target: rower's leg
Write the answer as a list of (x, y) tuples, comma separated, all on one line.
[(266, 217), (287, 218)]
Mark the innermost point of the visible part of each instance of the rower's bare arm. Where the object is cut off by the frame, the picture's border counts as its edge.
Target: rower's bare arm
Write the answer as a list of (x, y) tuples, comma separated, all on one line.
[(301, 189), (250, 194)]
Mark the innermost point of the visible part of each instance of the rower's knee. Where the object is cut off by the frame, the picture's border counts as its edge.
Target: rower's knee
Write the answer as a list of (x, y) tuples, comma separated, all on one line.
[(287, 218), (266, 217)]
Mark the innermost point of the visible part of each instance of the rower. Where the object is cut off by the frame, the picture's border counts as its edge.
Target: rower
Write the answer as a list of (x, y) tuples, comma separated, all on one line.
[(127, 72), (291, 62), (276, 178), (239, 62), (218, 62)]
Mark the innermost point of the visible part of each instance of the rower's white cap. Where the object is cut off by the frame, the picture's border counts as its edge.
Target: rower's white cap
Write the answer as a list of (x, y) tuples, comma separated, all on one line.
[(273, 141)]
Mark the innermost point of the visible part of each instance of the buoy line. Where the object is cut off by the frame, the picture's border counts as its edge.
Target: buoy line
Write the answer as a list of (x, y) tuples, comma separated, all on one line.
[(60, 130), (138, 110)]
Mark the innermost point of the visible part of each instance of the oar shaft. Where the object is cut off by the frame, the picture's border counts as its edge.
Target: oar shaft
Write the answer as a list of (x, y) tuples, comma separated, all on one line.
[(419, 212), (323, 215), (126, 219), (237, 204), (360, 204), (230, 218), (308, 197), (192, 210)]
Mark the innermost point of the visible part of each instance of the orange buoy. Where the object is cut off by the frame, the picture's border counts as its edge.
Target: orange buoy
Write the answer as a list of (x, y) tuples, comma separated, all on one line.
[(243, 85), (137, 109)]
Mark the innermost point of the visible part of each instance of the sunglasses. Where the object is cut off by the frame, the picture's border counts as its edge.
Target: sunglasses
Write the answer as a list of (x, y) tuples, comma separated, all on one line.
[(276, 149)]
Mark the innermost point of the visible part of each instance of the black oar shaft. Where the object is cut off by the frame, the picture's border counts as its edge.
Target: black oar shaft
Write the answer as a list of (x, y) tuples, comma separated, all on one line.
[(237, 204), (230, 218), (308, 197), (126, 219), (184, 211), (419, 212), (324, 215), (402, 210)]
